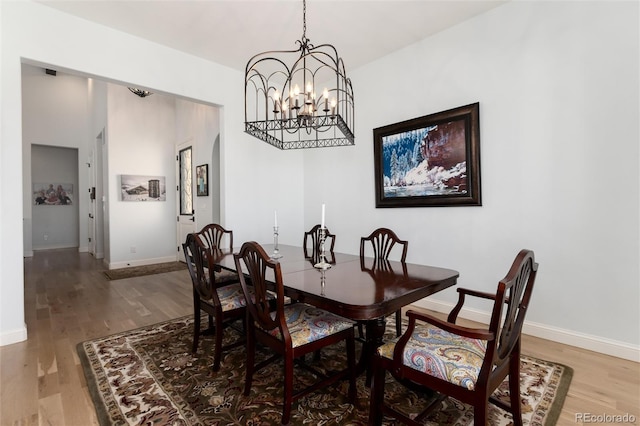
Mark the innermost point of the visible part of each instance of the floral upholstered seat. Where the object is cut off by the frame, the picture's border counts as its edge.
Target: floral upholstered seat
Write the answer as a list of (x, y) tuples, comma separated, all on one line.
[(439, 353), (231, 297), (307, 324)]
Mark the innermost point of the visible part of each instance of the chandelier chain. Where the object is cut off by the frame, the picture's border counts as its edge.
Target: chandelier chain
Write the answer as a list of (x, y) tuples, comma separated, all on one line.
[(304, 19)]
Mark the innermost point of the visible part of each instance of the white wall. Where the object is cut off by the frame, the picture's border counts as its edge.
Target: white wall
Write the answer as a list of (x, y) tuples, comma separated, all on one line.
[(141, 142), (34, 33), (558, 89)]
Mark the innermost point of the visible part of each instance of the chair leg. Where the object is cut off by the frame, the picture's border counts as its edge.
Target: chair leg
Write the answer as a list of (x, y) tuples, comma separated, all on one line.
[(288, 388), (351, 362), (360, 331), (480, 413), (398, 323), (514, 387), (196, 327), (251, 356), (377, 396), (217, 356)]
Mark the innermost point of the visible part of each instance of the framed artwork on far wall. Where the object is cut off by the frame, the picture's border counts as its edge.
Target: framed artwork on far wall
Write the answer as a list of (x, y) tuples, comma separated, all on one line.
[(53, 194), (430, 161), (202, 180), (143, 188)]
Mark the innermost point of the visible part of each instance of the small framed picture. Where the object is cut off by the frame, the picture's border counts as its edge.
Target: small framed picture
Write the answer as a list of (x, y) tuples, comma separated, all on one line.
[(202, 180)]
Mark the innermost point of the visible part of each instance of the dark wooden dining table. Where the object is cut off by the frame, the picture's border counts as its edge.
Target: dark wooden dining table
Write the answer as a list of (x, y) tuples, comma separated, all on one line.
[(360, 289)]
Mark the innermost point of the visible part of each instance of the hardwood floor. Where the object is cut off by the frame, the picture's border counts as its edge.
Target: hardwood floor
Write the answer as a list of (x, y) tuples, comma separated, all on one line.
[(68, 300)]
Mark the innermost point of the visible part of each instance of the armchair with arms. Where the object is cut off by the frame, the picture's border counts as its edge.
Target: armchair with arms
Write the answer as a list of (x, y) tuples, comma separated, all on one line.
[(467, 364)]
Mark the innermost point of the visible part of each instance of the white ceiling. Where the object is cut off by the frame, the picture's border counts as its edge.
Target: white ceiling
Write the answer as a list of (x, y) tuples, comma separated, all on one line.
[(229, 32)]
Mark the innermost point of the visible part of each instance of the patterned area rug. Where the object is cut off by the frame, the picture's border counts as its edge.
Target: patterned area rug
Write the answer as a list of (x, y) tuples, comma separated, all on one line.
[(149, 376), (138, 271)]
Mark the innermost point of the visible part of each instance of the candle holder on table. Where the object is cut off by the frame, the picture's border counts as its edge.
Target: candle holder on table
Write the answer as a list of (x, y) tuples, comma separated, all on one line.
[(322, 264), (322, 281), (276, 251)]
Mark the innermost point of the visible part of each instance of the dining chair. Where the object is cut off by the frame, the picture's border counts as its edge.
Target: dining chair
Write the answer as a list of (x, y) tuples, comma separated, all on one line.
[(313, 235), (290, 330), (382, 241), (222, 302), (467, 364), (215, 235)]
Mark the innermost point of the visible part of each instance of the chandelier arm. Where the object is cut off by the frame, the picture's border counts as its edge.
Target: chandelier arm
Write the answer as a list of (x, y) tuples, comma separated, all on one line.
[(251, 64)]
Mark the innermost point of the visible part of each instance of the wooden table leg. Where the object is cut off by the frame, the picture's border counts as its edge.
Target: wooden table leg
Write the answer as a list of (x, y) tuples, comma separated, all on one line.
[(374, 331)]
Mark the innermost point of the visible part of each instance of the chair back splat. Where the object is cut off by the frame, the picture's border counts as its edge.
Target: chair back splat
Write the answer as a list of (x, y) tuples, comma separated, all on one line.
[(197, 264), (484, 357), (516, 289), (212, 235), (383, 240), (314, 235), (257, 263)]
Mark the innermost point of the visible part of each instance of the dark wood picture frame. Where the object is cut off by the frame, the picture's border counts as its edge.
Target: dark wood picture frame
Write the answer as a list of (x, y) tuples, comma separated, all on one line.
[(202, 180), (430, 161)]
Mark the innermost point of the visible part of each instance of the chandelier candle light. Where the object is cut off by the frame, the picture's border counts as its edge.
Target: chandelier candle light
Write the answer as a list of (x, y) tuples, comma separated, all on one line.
[(279, 112)]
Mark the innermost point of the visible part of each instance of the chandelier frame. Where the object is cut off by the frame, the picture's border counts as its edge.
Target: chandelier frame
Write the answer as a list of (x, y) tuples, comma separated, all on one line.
[(279, 113)]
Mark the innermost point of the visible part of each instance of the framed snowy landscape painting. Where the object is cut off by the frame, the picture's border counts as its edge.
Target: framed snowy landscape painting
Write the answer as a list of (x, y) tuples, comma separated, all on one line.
[(429, 161), (142, 188)]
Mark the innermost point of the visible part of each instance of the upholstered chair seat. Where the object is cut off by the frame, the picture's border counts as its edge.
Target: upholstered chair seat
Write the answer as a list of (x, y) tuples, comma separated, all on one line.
[(441, 354), (306, 324), (231, 297)]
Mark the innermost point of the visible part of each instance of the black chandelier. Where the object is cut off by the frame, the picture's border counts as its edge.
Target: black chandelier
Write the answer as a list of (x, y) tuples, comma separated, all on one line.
[(282, 106)]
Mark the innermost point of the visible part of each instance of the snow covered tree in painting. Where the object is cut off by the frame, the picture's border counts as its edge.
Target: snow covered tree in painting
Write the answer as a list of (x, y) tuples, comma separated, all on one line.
[(426, 161)]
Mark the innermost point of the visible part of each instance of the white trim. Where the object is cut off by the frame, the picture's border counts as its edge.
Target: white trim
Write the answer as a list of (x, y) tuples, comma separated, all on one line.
[(566, 337), (14, 336)]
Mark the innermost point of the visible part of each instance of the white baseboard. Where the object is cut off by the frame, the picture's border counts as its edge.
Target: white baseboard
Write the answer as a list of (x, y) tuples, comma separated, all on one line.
[(14, 336), (543, 331), (141, 262)]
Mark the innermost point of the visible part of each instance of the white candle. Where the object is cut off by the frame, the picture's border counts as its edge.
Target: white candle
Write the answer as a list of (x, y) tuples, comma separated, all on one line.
[(322, 224), (275, 218)]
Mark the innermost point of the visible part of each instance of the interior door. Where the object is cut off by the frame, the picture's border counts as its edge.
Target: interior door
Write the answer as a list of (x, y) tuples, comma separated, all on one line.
[(185, 206)]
